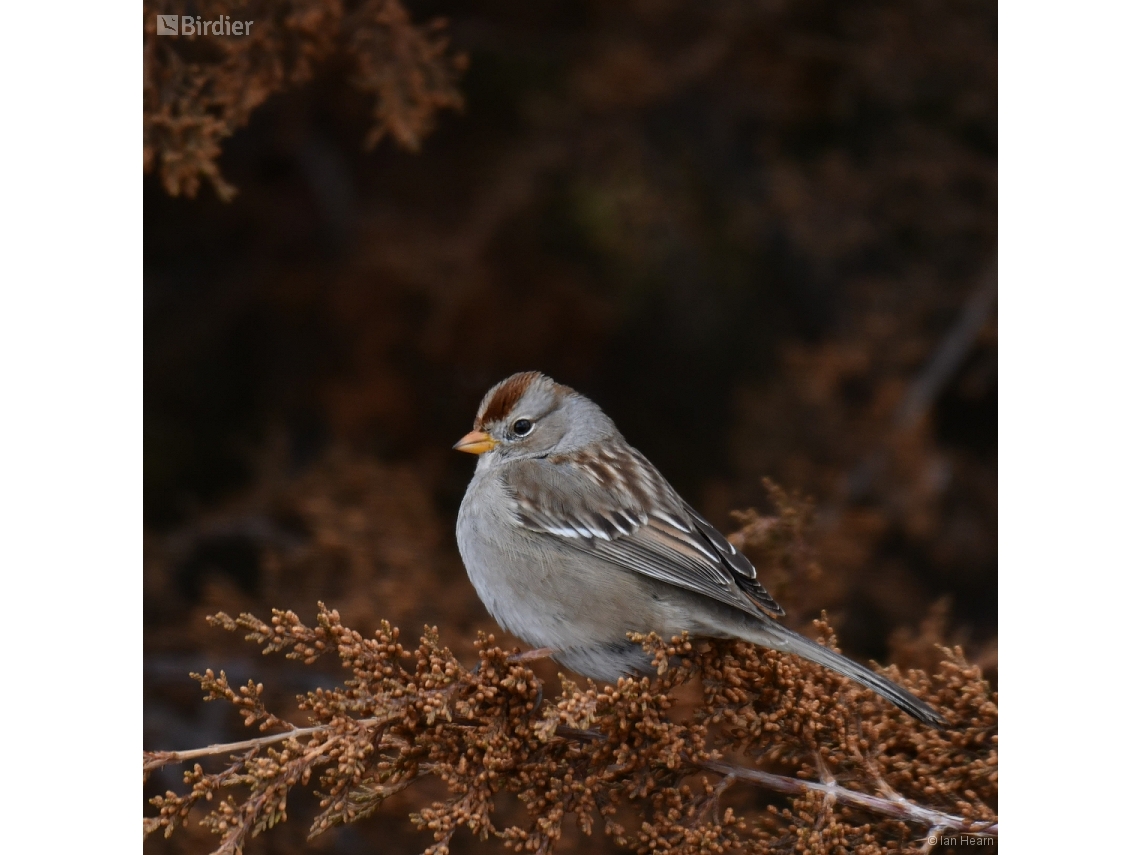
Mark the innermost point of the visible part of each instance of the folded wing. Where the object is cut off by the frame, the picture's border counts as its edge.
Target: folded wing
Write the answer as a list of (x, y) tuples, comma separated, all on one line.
[(618, 506)]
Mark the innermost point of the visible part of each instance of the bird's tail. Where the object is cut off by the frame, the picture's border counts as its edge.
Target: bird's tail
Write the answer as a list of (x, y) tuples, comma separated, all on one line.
[(778, 637)]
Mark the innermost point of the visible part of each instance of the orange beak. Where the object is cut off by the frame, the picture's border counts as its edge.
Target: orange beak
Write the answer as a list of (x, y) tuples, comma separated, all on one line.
[(476, 442)]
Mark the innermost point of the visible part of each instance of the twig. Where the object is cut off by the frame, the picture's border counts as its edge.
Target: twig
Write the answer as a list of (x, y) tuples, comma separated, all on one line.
[(531, 655), (576, 733), (931, 840), (895, 808), (157, 759), (952, 351), (923, 391), (712, 803)]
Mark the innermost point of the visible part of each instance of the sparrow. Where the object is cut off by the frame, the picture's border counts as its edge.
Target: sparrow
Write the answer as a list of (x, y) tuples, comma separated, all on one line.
[(573, 540)]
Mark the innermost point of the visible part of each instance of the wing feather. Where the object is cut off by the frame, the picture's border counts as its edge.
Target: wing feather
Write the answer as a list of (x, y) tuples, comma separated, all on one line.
[(603, 508)]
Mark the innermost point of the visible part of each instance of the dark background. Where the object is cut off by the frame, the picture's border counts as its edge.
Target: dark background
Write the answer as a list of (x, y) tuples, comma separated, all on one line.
[(760, 235)]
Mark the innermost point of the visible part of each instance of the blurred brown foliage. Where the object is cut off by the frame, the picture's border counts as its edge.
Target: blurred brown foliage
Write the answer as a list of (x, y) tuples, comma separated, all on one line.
[(199, 89), (747, 229)]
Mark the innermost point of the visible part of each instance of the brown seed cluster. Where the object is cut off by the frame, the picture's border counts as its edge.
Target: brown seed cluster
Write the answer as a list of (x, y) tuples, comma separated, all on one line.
[(840, 770)]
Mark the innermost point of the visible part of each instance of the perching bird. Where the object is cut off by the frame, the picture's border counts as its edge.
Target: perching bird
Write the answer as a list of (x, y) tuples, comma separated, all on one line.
[(573, 539)]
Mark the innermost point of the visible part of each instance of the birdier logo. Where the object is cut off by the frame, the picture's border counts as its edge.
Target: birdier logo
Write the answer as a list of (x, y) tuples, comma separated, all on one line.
[(193, 25)]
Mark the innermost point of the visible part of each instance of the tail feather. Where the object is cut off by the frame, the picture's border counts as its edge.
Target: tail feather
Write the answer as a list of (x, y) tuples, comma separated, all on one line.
[(779, 637)]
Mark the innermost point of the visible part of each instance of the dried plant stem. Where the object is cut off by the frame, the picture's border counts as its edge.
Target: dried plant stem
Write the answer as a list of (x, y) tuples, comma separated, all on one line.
[(896, 808), (158, 759), (924, 389)]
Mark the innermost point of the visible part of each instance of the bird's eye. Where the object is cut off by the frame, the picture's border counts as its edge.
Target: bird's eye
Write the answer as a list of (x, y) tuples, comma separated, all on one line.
[(522, 427)]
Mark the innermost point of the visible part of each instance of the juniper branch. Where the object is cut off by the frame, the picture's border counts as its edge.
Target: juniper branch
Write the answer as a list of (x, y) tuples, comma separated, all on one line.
[(157, 759), (895, 808), (481, 730)]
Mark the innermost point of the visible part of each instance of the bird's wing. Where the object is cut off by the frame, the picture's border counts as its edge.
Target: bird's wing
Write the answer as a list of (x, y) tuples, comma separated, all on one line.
[(616, 505)]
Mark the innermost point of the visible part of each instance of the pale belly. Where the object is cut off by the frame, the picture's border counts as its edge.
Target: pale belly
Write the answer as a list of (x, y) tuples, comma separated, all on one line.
[(550, 595)]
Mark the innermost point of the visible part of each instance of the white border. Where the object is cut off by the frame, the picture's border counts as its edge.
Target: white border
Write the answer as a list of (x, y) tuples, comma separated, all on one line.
[(1069, 423), (71, 423)]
